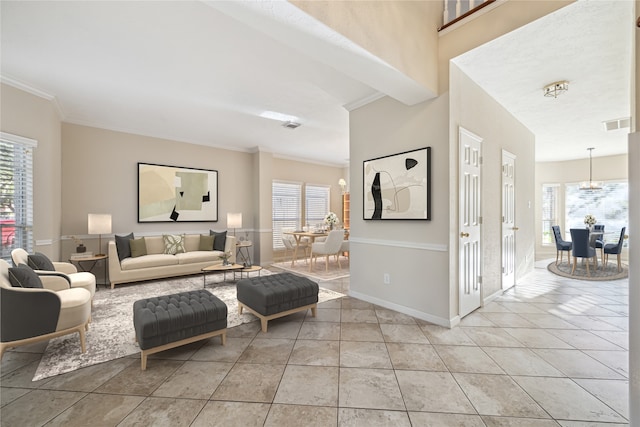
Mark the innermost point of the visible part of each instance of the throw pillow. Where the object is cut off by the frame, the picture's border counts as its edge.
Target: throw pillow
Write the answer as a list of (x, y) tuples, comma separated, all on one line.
[(219, 240), (138, 247), (173, 243), (206, 243), (24, 277), (122, 246), (40, 261)]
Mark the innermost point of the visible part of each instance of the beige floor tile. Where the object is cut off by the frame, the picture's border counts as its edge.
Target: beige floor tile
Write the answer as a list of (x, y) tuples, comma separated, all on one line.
[(432, 419), (308, 385), (369, 388), (194, 380), (91, 377), (372, 417), (361, 332), (316, 353), (590, 323), (357, 315), (494, 307), (498, 395), (246, 330), (98, 410), (521, 307), (349, 302), (507, 320), (418, 357), (476, 319), (621, 339), (320, 331), (13, 360), (214, 351), (282, 328), (159, 411), (521, 361), (491, 337), (8, 394), (446, 336), (548, 321), (297, 415), (250, 383), (564, 399), (325, 315), (611, 392), (389, 316), (403, 333), (517, 422), (576, 364), (134, 381), (467, 359), (433, 392), (265, 350), (243, 414), (38, 407), (357, 354), (23, 377), (616, 360), (536, 338), (583, 340)]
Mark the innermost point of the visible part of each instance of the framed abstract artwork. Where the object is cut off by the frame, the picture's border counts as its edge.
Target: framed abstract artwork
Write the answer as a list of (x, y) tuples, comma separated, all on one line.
[(398, 186), (176, 194)]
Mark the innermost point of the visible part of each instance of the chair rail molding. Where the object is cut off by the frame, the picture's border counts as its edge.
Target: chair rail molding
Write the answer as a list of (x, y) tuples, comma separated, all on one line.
[(401, 244)]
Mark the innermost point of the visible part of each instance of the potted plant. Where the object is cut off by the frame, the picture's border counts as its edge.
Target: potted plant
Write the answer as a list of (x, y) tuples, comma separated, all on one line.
[(331, 219), (225, 258), (590, 220)]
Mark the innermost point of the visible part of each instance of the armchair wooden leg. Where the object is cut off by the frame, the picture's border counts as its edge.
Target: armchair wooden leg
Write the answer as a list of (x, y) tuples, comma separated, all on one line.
[(574, 265)]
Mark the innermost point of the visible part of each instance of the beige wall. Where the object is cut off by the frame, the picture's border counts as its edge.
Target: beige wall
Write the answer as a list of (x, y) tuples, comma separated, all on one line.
[(33, 117), (571, 172), (401, 33)]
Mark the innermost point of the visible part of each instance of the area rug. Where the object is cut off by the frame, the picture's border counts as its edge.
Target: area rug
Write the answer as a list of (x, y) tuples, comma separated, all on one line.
[(318, 273), (610, 272), (111, 334)]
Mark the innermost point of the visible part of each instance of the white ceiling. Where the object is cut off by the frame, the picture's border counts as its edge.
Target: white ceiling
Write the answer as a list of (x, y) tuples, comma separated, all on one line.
[(205, 71)]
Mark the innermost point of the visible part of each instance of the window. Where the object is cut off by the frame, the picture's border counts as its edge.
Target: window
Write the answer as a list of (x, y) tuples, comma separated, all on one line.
[(549, 212), (287, 202), (610, 206), (16, 193), (316, 203)]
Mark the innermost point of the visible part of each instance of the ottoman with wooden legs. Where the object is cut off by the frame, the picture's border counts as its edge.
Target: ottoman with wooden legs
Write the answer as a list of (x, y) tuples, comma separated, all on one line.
[(277, 295), (170, 321)]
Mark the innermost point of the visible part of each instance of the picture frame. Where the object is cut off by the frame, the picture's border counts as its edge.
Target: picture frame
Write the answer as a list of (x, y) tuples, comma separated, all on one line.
[(176, 194), (398, 186)]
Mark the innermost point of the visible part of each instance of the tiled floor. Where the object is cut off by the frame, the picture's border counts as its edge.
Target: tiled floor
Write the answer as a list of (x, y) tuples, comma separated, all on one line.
[(551, 352)]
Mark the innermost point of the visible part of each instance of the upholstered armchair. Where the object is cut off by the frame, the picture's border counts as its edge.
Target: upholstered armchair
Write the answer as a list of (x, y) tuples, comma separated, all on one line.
[(561, 245), (49, 270), (582, 248), (33, 314), (614, 249), (331, 246)]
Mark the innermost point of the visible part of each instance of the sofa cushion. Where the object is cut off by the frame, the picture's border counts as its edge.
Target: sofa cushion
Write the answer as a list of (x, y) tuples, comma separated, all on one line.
[(191, 242), (198, 256), (40, 261), (24, 277), (147, 261), (219, 241), (155, 244), (206, 243), (173, 243), (122, 246), (138, 247)]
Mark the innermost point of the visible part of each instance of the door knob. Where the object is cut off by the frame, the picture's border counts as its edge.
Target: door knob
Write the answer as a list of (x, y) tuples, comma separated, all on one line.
[(464, 234), (515, 228)]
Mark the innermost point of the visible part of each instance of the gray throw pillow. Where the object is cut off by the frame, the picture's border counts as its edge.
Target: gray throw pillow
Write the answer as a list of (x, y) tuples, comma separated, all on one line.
[(122, 246), (39, 261), (24, 277), (219, 240)]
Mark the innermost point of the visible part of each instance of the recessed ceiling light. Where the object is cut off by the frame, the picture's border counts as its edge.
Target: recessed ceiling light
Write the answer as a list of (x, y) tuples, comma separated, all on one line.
[(281, 117)]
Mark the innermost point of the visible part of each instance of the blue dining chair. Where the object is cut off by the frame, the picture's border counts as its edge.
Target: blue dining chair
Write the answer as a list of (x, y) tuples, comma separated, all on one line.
[(582, 248), (561, 245), (599, 240), (614, 249)]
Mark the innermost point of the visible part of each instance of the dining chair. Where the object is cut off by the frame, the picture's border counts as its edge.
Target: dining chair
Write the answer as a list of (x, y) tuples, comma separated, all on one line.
[(290, 245), (614, 249), (344, 249), (331, 246), (582, 248), (561, 245), (599, 239)]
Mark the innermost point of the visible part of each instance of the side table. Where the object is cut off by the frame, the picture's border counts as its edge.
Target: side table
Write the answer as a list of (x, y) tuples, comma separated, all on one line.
[(91, 261), (241, 255)]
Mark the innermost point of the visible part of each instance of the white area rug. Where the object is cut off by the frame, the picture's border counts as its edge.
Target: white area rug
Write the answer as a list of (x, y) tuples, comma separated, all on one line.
[(111, 334), (318, 273)]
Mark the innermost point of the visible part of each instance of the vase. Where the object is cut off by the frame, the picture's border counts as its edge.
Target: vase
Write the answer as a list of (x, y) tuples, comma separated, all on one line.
[(330, 227), (81, 248)]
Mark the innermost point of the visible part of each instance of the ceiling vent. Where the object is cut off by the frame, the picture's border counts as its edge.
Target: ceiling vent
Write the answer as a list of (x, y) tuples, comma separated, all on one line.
[(291, 125), (617, 124)]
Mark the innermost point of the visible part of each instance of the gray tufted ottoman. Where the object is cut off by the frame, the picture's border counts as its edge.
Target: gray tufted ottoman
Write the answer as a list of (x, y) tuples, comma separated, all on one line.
[(170, 321), (270, 297)]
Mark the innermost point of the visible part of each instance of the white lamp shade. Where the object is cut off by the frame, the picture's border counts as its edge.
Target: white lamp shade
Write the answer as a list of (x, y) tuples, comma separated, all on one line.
[(99, 224), (234, 220)]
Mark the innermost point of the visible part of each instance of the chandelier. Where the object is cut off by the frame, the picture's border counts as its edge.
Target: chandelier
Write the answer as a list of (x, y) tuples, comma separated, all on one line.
[(591, 185), (555, 89)]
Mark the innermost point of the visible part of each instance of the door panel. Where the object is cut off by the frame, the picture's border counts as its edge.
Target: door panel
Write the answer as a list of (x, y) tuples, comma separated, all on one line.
[(470, 253), (508, 220)]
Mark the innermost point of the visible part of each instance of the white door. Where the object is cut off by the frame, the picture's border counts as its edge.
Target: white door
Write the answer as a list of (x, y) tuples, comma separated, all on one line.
[(470, 157), (508, 220)]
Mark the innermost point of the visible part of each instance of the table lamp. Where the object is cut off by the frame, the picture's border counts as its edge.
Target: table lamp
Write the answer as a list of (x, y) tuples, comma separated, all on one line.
[(234, 220), (99, 224)]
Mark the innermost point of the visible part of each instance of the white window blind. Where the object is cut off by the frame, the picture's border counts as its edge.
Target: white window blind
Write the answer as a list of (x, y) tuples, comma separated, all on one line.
[(16, 193), (287, 202), (610, 206), (316, 203), (549, 212)]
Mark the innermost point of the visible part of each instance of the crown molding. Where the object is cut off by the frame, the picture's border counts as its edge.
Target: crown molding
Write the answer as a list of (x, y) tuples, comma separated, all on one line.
[(10, 81)]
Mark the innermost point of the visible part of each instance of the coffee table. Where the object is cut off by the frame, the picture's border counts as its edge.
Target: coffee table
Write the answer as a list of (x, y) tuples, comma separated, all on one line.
[(247, 270), (219, 268)]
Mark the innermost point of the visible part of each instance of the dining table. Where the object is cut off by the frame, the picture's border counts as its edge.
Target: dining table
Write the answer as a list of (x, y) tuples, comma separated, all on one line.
[(299, 235)]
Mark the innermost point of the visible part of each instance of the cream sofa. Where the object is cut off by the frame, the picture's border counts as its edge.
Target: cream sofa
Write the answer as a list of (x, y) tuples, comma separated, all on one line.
[(156, 264)]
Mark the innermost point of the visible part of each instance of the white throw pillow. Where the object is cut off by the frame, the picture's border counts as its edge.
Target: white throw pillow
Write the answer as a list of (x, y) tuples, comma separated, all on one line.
[(173, 243)]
